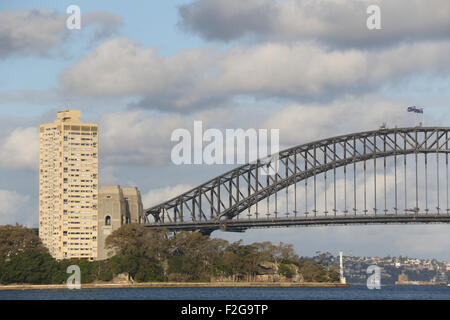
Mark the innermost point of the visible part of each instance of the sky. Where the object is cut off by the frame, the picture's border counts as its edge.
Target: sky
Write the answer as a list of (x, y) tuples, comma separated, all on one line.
[(311, 69)]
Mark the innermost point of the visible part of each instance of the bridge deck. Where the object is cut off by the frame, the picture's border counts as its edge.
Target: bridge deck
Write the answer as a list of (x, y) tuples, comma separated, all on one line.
[(243, 224)]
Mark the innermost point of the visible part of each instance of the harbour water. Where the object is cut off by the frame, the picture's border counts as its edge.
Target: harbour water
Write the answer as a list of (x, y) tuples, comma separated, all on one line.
[(296, 293)]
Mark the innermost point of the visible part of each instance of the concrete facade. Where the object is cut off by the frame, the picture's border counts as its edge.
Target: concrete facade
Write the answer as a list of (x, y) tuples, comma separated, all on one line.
[(117, 207), (68, 186), (111, 215), (135, 208)]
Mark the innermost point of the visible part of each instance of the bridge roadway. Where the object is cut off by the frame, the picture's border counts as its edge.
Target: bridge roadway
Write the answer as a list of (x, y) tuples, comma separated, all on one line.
[(240, 225)]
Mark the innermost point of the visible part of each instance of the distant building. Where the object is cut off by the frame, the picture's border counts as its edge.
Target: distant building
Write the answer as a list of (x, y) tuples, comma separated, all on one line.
[(403, 278), (68, 186), (116, 207)]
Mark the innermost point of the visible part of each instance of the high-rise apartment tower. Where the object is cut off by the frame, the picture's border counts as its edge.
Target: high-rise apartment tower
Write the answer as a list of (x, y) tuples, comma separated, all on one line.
[(68, 187)]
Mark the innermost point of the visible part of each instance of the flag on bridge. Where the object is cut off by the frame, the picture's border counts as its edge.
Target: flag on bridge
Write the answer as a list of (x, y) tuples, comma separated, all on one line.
[(415, 109)]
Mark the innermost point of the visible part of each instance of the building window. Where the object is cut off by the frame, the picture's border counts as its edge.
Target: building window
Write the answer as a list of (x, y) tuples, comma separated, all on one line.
[(107, 221)]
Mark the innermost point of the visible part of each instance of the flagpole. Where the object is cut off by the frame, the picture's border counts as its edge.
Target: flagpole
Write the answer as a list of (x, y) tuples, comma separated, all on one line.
[(416, 110)]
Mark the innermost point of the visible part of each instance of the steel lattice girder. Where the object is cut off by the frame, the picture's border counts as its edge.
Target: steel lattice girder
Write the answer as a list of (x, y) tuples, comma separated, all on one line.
[(225, 195)]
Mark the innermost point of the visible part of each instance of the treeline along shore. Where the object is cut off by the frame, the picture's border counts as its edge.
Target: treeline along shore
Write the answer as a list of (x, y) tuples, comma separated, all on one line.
[(144, 257), (175, 285)]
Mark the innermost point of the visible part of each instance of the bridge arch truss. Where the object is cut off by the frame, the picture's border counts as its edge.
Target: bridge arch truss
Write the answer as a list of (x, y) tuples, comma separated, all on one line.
[(397, 171)]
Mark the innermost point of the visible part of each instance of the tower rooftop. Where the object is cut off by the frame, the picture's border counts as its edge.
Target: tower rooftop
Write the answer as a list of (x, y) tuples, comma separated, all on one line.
[(69, 116)]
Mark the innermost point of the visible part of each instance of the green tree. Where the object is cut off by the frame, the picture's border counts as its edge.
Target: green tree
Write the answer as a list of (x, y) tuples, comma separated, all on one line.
[(16, 239), (185, 265), (24, 259), (89, 270), (135, 239), (125, 264), (313, 271), (241, 260), (285, 270), (30, 267), (105, 272), (149, 270)]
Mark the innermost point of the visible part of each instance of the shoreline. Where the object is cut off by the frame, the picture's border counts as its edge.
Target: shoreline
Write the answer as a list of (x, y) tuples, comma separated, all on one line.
[(420, 283), (175, 285)]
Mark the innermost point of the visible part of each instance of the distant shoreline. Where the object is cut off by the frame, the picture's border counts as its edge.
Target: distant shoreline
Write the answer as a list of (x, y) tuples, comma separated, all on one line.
[(175, 285), (420, 283)]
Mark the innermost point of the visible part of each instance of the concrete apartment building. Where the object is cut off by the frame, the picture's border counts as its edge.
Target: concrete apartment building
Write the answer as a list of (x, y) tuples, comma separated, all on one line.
[(68, 186), (74, 218)]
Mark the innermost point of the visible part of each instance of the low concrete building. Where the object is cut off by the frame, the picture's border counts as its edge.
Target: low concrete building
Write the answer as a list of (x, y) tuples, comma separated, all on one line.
[(116, 207)]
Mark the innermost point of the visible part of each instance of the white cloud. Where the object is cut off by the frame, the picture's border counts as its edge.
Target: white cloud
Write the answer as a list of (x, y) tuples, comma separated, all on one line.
[(156, 196), (105, 24), (139, 138), (133, 138), (303, 123), (108, 176), (200, 78), (147, 138), (14, 207), (121, 67), (10, 202), (20, 150), (34, 31), (335, 22), (39, 31)]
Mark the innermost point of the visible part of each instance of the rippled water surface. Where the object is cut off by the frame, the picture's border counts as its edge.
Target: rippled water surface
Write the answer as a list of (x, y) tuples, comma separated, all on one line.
[(351, 293)]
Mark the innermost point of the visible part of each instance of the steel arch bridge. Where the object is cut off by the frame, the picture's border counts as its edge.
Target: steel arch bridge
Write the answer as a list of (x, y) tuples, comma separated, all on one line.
[(385, 176)]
